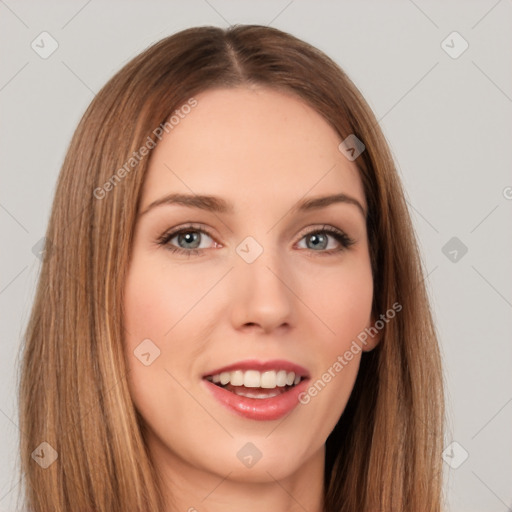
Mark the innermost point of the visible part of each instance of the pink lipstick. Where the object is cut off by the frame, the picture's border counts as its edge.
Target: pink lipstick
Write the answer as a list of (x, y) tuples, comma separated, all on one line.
[(258, 390)]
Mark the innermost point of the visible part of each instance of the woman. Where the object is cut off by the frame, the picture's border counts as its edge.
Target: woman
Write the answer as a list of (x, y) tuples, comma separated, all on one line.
[(232, 313)]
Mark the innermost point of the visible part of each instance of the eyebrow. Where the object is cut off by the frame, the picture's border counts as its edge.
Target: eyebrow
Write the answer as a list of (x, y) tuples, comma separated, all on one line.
[(219, 205)]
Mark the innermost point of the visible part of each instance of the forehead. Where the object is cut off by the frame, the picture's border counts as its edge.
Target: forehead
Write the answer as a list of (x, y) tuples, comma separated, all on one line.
[(250, 145)]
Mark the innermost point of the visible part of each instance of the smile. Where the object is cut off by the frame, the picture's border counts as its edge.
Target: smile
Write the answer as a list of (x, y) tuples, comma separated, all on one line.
[(256, 390), (246, 383)]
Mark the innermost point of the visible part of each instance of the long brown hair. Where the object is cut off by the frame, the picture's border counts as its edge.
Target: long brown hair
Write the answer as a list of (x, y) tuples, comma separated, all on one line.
[(385, 452)]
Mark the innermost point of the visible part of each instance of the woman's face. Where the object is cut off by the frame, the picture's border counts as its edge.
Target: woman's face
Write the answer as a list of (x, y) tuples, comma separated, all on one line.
[(253, 292)]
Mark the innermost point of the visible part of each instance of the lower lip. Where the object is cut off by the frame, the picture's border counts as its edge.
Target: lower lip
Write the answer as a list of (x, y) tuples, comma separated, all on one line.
[(262, 409)]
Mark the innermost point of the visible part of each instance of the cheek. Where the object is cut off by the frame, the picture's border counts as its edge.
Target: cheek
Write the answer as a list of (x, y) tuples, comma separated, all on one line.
[(343, 304), (169, 306), (152, 307), (342, 301), (157, 299), (156, 303)]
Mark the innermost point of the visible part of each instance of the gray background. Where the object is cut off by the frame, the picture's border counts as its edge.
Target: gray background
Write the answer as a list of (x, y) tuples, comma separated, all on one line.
[(449, 124)]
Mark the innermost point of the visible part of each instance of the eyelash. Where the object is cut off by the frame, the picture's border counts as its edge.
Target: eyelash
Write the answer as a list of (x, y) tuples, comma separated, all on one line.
[(342, 238)]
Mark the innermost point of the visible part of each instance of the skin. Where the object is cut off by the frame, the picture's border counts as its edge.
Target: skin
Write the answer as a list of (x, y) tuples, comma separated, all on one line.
[(263, 151)]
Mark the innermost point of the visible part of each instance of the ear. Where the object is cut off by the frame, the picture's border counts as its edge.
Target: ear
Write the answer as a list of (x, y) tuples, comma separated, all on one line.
[(374, 332)]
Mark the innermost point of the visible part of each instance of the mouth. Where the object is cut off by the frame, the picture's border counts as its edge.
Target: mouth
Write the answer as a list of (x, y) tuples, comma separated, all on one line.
[(256, 384), (259, 391)]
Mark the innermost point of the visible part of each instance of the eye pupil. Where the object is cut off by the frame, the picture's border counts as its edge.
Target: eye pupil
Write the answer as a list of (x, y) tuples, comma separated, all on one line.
[(318, 240), (190, 237)]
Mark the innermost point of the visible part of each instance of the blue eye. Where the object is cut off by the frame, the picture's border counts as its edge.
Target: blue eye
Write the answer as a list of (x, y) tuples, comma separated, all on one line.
[(319, 240), (188, 240)]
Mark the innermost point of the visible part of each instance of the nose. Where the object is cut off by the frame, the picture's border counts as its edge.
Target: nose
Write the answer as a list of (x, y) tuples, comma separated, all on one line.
[(262, 294)]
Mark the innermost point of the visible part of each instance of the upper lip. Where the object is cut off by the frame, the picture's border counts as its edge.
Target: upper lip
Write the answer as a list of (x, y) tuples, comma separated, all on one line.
[(261, 366)]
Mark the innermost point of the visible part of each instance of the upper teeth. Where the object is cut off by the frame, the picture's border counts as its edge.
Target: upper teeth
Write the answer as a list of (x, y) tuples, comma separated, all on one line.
[(255, 379)]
